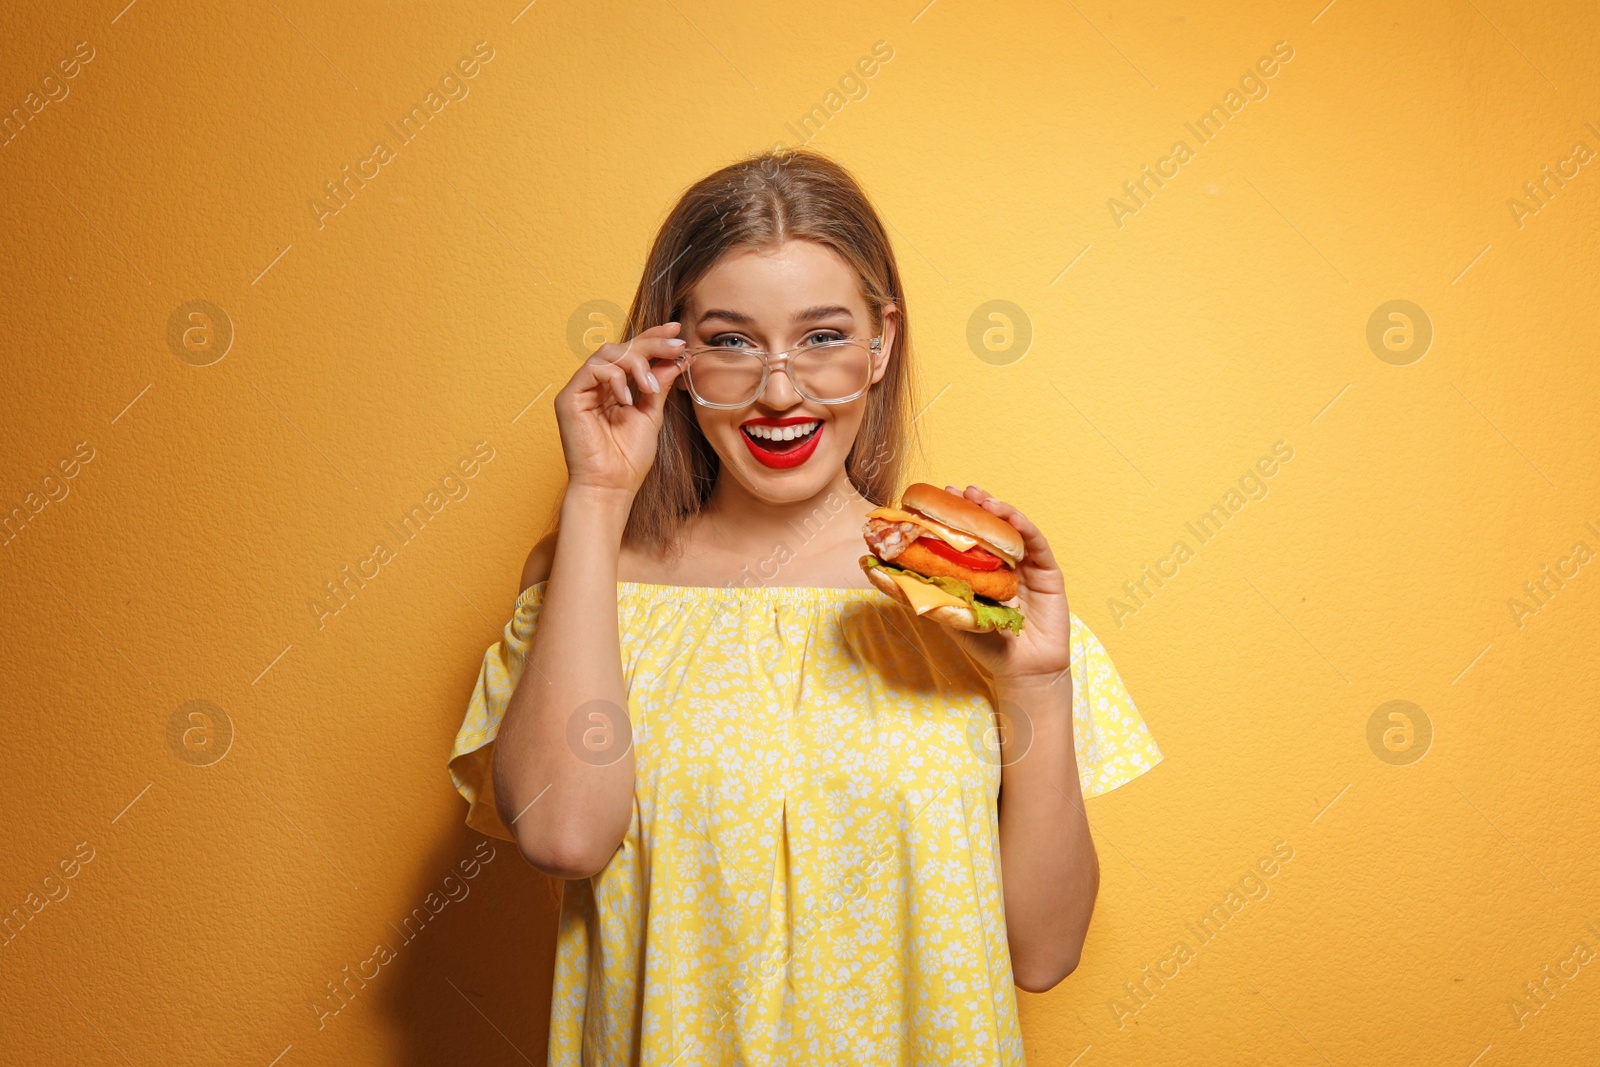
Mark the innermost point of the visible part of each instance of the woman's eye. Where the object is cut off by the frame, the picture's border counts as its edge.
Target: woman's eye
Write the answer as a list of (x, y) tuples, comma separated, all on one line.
[(720, 342), (825, 336)]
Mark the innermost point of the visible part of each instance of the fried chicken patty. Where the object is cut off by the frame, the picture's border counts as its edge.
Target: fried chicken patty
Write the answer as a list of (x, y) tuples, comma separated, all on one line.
[(996, 585)]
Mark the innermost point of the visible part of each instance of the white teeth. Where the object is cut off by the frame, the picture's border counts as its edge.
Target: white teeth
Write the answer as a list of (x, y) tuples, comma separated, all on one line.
[(782, 433)]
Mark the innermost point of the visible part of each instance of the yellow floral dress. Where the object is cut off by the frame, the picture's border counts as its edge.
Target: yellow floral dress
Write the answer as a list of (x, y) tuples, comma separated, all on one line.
[(812, 872)]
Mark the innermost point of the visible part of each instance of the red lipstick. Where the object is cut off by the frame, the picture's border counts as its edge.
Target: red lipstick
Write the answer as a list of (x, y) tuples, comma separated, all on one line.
[(782, 460)]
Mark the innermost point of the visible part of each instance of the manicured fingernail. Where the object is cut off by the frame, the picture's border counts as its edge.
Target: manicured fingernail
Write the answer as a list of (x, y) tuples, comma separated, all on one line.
[(627, 393), (650, 377), (676, 342)]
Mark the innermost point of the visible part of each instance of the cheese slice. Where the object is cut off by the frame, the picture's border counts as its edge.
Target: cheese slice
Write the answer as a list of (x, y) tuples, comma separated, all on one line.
[(962, 542), (925, 597)]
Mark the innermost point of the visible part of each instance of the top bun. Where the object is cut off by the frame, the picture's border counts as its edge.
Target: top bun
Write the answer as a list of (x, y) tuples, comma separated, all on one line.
[(959, 513)]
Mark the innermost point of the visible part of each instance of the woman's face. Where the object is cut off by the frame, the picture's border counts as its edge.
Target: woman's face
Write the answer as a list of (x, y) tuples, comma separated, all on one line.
[(777, 299)]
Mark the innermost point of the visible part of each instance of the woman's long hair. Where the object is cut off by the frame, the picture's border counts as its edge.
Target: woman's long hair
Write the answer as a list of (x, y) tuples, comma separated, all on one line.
[(759, 202)]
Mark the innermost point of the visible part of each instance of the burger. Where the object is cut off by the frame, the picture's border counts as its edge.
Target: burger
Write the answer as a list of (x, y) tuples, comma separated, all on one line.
[(947, 558)]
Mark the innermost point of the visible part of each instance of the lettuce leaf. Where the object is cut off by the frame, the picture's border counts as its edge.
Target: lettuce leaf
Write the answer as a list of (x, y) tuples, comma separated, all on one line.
[(986, 611)]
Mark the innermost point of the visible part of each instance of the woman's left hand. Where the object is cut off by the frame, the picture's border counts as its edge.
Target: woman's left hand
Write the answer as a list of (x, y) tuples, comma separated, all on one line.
[(1043, 650)]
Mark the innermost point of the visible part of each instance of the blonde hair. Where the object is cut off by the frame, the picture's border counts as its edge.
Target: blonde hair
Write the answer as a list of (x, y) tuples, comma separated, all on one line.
[(759, 202)]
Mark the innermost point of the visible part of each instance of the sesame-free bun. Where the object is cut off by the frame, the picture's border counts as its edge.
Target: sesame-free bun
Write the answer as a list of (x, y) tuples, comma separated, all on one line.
[(999, 584), (959, 513), (957, 618)]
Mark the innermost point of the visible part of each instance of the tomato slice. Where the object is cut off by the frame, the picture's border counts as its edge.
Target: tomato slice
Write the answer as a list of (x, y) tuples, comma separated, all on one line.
[(976, 558)]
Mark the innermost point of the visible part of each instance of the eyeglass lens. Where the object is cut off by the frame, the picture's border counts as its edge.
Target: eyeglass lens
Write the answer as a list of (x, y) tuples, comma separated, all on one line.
[(828, 371)]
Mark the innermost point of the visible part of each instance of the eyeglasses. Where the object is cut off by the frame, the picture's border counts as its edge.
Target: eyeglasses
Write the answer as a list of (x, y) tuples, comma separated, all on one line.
[(828, 372)]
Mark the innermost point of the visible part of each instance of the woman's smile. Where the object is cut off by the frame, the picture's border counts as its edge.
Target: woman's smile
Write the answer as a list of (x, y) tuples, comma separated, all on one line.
[(782, 443)]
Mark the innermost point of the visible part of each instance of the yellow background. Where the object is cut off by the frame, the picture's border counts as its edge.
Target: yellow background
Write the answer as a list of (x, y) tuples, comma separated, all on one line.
[(432, 312)]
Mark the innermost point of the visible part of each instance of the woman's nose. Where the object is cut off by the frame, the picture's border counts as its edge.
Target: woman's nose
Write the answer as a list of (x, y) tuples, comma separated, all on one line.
[(779, 392)]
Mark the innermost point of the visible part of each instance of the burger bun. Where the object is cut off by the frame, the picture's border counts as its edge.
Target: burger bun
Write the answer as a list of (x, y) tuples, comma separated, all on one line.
[(959, 513)]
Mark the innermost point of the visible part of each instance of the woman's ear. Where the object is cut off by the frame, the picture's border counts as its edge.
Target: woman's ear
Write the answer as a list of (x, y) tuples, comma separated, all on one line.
[(889, 331)]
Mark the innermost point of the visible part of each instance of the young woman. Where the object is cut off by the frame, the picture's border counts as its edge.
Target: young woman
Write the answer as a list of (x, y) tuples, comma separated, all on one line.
[(773, 792)]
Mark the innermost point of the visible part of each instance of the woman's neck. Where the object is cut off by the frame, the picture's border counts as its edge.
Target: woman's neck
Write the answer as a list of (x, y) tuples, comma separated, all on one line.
[(744, 523)]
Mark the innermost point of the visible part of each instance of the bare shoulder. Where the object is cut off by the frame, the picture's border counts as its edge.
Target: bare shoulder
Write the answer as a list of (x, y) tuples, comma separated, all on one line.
[(540, 560)]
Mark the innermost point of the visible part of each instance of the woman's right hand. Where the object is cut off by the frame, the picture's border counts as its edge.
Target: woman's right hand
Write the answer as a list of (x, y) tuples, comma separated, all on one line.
[(608, 430)]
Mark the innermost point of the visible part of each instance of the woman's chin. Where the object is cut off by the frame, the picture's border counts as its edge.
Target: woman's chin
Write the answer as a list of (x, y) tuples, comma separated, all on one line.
[(791, 485)]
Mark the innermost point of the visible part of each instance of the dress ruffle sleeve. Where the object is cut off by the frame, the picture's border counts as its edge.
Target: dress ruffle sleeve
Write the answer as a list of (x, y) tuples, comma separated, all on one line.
[(1114, 746), (472, 758)]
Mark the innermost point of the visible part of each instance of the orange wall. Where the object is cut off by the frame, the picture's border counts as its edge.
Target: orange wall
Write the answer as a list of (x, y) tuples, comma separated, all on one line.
[(211, 474)]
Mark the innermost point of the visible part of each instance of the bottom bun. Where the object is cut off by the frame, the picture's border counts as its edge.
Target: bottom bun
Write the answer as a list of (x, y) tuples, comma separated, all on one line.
[(957, 618)]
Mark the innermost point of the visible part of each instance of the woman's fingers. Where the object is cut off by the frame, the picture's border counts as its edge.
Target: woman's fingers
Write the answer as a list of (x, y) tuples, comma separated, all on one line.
[(642, 354), (602, 441), (1035, 548), (612, 379)]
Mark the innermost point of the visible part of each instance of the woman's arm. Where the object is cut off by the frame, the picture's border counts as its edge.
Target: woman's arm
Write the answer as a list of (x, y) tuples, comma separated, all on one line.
[(569, 814), (567, 800), (1049, 871)]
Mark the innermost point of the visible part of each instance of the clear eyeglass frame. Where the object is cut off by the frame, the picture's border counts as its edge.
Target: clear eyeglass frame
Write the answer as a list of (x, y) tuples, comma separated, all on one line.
[(684, 358)]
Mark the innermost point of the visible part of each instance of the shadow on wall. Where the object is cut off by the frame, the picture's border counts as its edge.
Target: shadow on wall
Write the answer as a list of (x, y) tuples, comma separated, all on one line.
[(474, 962)]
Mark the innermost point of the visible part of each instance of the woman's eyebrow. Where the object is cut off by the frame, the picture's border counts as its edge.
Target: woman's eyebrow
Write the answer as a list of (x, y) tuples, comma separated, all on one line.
[(810, 314), (738, 317), (822, 311)]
